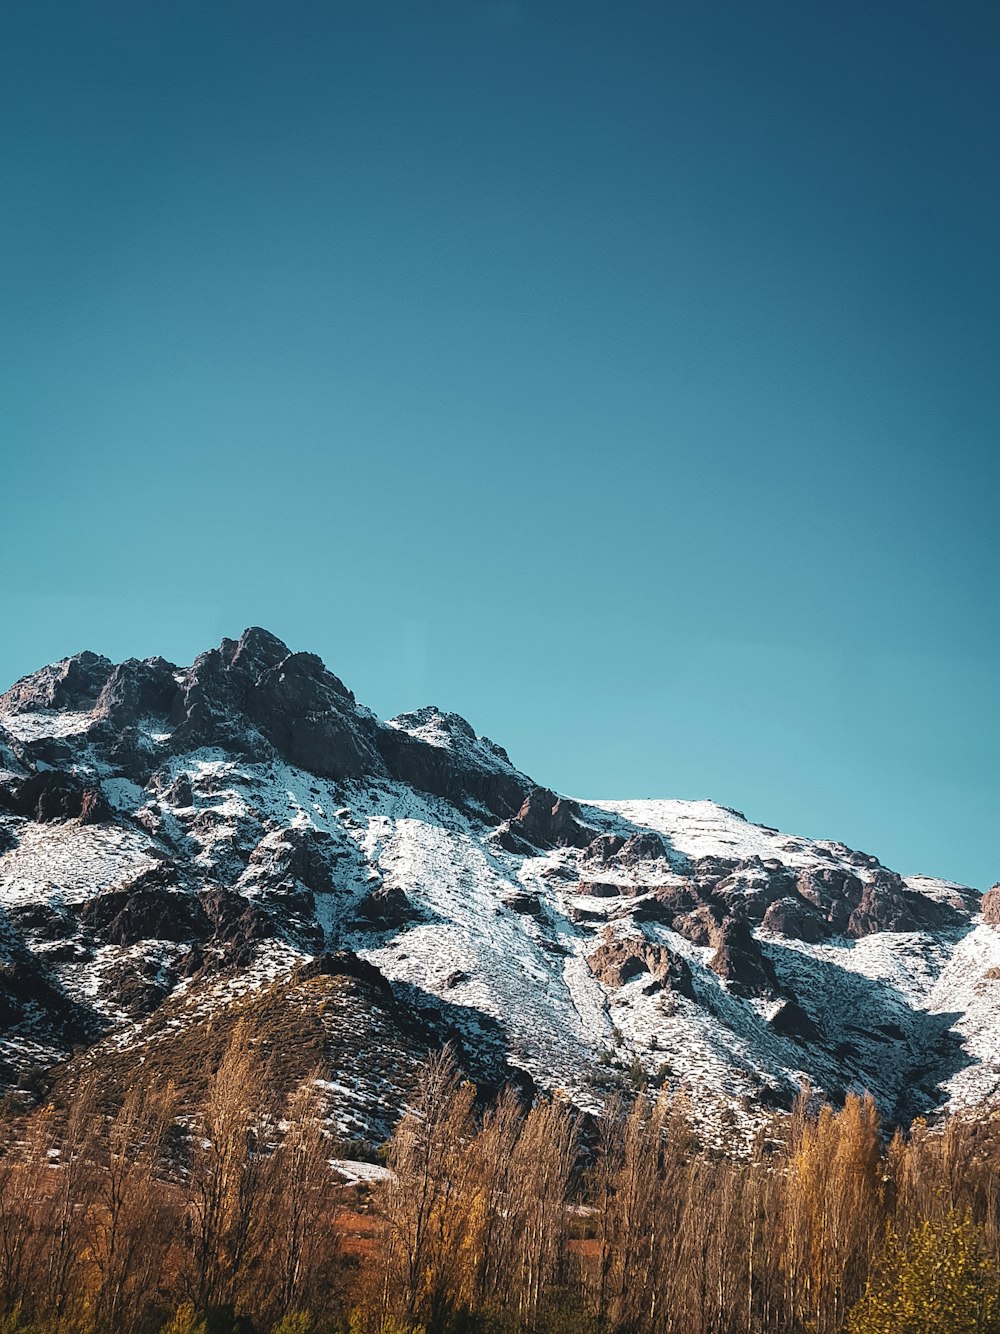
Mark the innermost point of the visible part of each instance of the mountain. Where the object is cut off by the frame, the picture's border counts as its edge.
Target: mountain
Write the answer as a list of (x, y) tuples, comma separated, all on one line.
[(181, 848)]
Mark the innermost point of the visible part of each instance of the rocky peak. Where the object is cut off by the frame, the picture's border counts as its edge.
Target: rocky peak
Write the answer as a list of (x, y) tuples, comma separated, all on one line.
[(253, 653), (138, 689), (74, 683)]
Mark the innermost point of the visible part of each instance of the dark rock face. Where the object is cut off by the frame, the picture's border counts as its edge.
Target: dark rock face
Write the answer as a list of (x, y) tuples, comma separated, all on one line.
[(385, 909), (50, 795), (795, 918), (739, 960), (258, 699), (42, 920), (238, 924), (524, 903), (137, 689), (75, 683), (600, 889), (345, 963), (94, 809), (546, 821), (708, 871), (930, 915), (146, 910), (613, 850), (791, 1021), (882, 907), (618, 960), (309, 717), (27, 996), (138, 988), (295, 854), (441, 770)]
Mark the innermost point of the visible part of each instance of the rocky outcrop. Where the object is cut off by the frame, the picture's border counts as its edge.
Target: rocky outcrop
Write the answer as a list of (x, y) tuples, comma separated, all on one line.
[(614, 850), (700, 924), (752, 886), (147, 911), (385, 909), (74, 683), (548, 821), (237, 926), (345, 963), (155, 904), (460, 766), (620, 959), (94, 808), (991, 906), (301, 854), (832, 892), (795, 918), (137, 690), (740, 961), (51, 794), (882, 907), (255, 697), (665, 905), (524, 902)]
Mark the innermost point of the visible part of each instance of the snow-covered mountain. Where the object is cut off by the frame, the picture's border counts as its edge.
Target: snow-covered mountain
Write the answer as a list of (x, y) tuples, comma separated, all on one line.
[(179, 847)]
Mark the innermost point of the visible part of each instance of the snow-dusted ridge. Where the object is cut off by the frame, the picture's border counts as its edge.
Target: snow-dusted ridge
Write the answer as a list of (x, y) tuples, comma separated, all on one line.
[(172, 841)]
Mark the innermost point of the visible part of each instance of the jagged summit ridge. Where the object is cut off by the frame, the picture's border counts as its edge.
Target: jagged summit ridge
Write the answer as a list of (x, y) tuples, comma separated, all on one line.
[(174, 838)]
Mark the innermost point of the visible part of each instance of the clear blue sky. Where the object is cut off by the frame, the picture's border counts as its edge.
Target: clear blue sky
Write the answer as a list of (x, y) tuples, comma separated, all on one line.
[(622, 376)]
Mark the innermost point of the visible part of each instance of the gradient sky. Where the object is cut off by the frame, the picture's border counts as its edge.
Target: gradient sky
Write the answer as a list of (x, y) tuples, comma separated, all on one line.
[(625, 377)]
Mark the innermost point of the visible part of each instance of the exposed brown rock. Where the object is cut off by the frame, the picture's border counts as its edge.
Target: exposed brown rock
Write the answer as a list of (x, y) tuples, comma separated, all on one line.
[(883, 907), (991, 906), (738, 959), (700, 924), (619, 959), (73, 683), (795, 918), (546, 820), (94, 809), (524, 902)]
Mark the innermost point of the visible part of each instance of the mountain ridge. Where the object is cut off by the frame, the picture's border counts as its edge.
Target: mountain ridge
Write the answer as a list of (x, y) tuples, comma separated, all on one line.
[(172, 839)]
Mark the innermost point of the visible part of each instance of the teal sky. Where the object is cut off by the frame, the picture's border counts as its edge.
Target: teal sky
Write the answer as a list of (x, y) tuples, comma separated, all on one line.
[(624, 377)]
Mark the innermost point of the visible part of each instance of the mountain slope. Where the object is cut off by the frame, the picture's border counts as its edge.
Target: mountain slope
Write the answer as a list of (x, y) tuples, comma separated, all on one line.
[(180, 845)]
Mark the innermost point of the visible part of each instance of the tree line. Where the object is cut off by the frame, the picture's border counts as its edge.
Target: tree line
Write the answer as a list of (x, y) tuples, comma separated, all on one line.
[(501, 1217)]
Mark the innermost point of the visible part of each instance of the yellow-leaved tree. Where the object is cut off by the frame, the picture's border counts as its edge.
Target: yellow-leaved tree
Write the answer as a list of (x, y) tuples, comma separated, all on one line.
[(937, 1281)]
